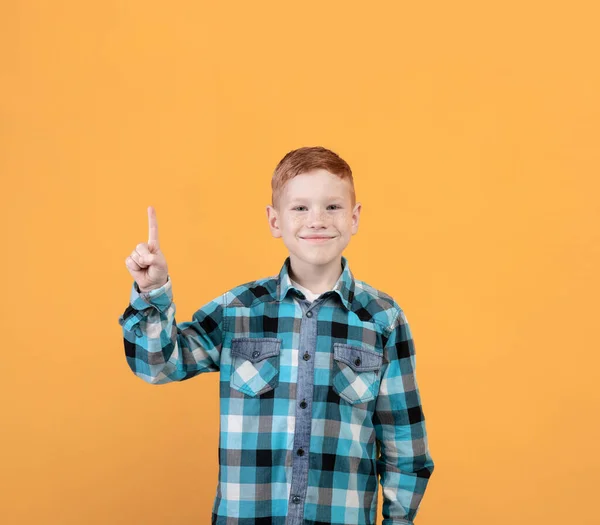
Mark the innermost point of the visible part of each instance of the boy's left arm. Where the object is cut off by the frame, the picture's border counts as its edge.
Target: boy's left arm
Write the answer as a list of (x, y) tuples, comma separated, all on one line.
[(405, 464)]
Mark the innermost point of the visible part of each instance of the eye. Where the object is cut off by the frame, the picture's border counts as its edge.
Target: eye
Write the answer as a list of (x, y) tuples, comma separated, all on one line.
[(334, 205)]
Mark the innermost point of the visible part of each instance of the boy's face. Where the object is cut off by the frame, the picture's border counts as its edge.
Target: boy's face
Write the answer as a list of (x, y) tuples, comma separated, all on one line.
[(312, 204)]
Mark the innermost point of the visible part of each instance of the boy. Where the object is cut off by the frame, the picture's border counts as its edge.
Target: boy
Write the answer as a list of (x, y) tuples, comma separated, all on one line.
[(318, 391)]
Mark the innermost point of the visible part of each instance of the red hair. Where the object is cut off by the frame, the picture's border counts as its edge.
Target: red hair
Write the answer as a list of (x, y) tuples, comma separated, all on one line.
[(305, 159)]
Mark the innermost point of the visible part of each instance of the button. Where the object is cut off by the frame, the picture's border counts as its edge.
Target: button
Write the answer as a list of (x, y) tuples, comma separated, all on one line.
[(300, 452), (296, 499), (357, 361), (256, 353), (308, 314), (303, 404), (138, 332), (306, 356)]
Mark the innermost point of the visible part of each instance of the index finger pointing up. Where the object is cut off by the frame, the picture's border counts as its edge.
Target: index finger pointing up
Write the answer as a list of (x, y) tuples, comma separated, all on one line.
[(152, 226)]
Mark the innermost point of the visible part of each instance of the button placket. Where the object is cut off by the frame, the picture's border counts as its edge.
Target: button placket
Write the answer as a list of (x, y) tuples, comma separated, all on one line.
[(304, 391)]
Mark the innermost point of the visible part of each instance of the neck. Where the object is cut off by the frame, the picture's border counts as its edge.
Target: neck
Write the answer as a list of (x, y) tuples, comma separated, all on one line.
[(317, 279)]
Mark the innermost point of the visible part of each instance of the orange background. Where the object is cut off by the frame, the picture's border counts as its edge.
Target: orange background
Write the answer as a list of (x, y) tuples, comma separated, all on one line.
[(473, 134)]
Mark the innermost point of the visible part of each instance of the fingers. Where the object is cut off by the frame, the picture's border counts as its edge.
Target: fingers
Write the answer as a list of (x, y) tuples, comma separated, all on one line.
[(140, 257), (141, 260), (152, 227), (140, 254), (131, 263)]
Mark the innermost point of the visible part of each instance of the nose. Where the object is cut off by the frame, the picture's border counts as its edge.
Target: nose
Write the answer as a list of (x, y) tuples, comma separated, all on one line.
[(316, 218)]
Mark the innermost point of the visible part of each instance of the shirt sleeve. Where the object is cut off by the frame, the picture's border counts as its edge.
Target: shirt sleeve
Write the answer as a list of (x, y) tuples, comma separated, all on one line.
[(404, 463), (157, 349)]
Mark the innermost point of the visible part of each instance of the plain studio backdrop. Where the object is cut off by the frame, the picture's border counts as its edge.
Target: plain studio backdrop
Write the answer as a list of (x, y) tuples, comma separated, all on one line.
[(472, 130)]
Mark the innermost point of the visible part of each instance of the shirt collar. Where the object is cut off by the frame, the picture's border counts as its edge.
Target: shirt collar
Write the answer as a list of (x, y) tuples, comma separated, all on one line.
[(344, 286)]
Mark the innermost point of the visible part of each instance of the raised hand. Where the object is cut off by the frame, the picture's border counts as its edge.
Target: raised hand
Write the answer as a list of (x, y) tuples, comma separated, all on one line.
[(147, 264)]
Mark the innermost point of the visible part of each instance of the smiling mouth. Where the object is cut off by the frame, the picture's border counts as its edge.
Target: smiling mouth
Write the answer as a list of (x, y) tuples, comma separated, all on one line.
[(316, 239)]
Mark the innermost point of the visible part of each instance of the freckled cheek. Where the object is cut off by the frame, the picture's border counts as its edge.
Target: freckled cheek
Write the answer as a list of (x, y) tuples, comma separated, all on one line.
[(337, 224)]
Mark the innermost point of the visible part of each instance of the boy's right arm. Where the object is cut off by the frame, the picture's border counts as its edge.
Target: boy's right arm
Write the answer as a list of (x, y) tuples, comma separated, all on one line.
[(157, 349)]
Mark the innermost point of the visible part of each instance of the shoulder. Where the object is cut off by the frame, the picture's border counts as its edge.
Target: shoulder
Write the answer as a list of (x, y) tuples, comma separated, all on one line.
[(381, 306), (248, 293)]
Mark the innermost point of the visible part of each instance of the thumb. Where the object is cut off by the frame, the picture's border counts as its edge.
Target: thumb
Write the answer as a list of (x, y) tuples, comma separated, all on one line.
[(147, 259)]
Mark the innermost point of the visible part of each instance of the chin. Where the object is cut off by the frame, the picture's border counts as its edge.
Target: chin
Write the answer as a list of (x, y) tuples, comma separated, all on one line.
[(317, 257)]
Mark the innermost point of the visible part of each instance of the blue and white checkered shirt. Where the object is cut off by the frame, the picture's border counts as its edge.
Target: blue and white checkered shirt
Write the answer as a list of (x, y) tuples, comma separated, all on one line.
[(318, 399)]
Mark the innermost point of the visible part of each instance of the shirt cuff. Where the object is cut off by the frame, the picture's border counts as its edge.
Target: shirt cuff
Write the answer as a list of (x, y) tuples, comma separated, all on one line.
[(160, 298), (140, 302)]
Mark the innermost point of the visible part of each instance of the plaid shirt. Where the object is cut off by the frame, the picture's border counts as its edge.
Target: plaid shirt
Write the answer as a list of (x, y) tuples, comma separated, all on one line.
[(317, 399)]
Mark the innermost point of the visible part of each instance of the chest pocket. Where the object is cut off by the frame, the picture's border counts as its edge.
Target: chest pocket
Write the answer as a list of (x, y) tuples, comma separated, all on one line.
[(254, 364), (355, 373)]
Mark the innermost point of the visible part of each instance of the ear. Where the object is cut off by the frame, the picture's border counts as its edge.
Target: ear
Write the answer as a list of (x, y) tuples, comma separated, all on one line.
[(273, 221), (356, 217)]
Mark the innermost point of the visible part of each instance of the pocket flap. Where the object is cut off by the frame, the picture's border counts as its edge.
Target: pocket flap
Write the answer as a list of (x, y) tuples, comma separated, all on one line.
[(357, 358), (255, 348)]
